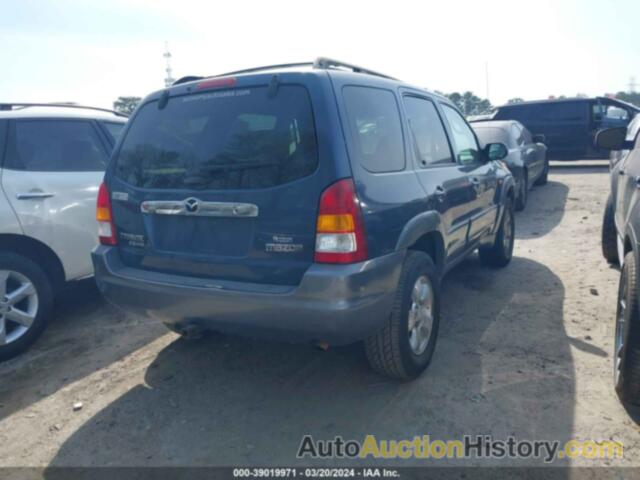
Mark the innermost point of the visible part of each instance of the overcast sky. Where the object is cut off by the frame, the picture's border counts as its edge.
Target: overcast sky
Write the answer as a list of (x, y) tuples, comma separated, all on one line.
[(92, 52)]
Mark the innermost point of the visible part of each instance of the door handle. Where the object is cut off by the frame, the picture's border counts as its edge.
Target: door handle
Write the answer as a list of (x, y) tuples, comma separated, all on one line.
[(475, 181), (621, 171), (440, 193), (33, 195)]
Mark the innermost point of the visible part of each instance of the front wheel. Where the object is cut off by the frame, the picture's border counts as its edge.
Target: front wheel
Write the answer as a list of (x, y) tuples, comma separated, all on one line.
[(523, 192), (542, 179), (26, 300), (499, 254), (405, 345), (626, 355), (609, 242)]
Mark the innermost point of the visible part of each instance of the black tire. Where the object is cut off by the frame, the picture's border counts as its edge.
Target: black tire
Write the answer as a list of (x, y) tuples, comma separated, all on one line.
[(523, 194), (609, 243), (544, 178), (499, 254), (42, 284), (627, 383), (389, 351)]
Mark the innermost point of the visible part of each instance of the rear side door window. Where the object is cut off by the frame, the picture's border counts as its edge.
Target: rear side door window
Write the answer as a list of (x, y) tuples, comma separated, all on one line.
[(374, 121), (562, 112), (464, 140), (55, 146), (427, 133)]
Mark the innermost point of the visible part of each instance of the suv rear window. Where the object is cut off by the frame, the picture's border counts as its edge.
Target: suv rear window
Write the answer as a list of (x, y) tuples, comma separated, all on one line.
[(231, 139)]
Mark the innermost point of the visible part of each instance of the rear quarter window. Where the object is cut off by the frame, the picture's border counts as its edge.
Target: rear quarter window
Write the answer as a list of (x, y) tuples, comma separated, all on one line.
[(374, 121), (114, 129), (224, 139)]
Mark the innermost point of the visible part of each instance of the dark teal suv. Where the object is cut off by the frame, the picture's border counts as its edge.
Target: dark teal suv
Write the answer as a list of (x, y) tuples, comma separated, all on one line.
[(317, 202)]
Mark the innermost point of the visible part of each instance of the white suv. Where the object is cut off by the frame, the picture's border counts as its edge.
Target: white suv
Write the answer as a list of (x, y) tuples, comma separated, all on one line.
[(52, 160)]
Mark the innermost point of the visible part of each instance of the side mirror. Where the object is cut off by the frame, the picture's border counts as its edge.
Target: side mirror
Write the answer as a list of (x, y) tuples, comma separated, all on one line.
[(496, 151), (613, 139), (539, 138)]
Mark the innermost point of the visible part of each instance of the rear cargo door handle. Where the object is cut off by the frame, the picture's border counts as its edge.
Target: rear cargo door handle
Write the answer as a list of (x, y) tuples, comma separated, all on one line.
[(33, 195), (193, 206)]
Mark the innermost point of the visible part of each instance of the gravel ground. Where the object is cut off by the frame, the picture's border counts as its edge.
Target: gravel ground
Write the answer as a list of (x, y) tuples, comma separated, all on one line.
[(523, 351)]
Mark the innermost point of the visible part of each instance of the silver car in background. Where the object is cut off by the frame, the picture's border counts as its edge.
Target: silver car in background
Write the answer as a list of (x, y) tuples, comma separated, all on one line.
[(52, 160), (527, 157)]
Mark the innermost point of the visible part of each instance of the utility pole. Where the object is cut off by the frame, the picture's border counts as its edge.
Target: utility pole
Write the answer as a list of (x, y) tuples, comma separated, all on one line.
[(168, 81), (486, 74), (632, 85)]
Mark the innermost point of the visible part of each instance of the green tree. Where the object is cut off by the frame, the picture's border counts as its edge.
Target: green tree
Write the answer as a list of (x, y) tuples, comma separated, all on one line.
[(470, 104), (126, 104), (629, 97)]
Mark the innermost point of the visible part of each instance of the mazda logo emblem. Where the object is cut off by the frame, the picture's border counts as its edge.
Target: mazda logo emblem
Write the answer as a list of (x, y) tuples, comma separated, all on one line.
[(191, 205)]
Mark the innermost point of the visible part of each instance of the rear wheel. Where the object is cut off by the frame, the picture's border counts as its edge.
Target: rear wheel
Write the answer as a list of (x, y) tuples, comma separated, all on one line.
[(405, 345), (499, 254), (523, 192), (26, 301), (542, 179), (609, 244), (626, 355)]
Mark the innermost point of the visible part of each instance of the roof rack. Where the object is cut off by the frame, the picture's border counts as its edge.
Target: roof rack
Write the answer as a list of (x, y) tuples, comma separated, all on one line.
[(20, 106), (319, 63), (328, 63)]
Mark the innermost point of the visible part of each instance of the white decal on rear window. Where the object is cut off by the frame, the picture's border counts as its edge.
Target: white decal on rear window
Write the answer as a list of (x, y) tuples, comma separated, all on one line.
[(209, 96)]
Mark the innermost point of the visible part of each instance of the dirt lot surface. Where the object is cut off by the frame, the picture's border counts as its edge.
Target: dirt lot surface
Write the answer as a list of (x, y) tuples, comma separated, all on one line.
[(523, 351)]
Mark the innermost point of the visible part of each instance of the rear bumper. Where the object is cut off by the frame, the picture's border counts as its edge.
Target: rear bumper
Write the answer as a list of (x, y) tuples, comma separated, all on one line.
[(339, 304)]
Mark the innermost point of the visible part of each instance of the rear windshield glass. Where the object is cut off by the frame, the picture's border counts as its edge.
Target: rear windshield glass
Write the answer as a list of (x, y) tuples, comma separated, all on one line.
[(493, 135), (231, 139)]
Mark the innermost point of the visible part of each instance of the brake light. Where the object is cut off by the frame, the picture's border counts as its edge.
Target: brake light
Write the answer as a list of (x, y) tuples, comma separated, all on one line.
[(340, 234), (106, 229), (217, 83)]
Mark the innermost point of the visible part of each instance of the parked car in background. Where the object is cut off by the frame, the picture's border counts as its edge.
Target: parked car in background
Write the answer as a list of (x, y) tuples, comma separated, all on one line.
[(321, 202), (569, 126), (623, 215), (52, 160), (527, 158)]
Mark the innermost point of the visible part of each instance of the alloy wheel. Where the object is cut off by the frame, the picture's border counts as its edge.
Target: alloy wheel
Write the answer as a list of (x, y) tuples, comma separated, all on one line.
[(620, 326), (507, 232), (18, 305), (421, 315)]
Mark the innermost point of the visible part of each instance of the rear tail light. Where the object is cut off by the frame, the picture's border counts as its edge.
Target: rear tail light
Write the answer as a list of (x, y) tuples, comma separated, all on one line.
[(340, 235), (106, 229)]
